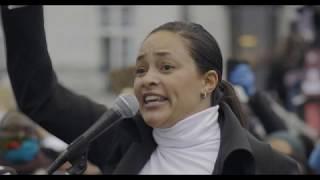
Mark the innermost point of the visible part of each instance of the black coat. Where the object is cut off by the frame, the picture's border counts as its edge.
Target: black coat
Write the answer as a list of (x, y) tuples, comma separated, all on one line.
[(125, 148)]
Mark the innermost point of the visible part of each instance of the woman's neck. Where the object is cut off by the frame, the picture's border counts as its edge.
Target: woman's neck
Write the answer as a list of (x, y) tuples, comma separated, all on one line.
[(189, 131)]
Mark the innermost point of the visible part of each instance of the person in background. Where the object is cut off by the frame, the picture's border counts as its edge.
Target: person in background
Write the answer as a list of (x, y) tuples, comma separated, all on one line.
[(310, 87), (20, 144), (284, 131), (314, 159), (291, 145), (241, 74), (285, 69), (189, 119)]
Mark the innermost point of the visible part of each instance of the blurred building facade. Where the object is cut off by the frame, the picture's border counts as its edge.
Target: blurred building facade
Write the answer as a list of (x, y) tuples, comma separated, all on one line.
[(87, 42)]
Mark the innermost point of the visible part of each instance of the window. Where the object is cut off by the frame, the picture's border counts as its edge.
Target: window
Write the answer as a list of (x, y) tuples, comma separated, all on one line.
[(105, 15), (117, 39), (105, 65), (185, 13), (126, 15), (126, 46)]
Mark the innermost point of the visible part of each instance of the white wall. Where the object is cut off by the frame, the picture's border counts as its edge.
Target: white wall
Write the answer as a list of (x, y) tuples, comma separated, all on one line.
[(73, 32), (74, 46), (72, 35), (216, 20), (148, 18)]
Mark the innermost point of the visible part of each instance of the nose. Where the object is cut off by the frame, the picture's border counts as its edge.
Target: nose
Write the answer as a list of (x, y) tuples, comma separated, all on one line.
[(150, 79)]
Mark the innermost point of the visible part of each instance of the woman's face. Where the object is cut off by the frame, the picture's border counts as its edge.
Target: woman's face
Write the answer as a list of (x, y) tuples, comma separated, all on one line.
[(167, 83)]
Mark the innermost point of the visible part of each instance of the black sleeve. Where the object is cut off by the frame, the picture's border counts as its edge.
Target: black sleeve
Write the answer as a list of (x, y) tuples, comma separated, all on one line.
[(271, 162), (284, 164), (261, 106), (35, 85)]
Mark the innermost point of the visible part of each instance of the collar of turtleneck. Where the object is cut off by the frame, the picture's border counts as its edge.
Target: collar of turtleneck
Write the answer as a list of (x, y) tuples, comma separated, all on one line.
[(189, 147)]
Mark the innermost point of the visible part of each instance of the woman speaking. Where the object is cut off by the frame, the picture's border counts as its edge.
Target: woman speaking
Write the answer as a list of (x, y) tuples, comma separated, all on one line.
[(189, 120)]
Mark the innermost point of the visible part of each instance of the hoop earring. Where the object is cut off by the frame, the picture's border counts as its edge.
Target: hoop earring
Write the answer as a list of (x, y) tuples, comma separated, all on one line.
[(203, 95)]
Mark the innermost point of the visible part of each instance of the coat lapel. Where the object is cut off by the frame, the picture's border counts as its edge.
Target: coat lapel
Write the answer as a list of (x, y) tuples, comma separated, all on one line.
[(139, 152), (234, 146)]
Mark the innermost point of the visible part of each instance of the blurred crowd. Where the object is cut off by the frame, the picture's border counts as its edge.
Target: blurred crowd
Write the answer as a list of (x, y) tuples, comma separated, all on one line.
[(286, 114), (25, 147)]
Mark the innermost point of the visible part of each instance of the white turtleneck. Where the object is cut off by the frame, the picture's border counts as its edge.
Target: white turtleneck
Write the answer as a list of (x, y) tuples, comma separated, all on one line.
[(189, 147)]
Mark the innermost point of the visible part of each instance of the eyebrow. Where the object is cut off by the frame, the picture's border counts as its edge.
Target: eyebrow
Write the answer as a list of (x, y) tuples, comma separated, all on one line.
[(161, 53), (140, 57)]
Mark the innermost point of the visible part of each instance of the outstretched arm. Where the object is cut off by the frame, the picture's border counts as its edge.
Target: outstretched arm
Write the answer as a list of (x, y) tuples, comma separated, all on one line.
[(35, 85), (38, 92)]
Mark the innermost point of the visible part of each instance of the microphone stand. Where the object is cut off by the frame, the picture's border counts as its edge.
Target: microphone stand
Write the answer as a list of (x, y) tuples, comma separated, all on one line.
[(79, 164), (77, 151), (76, 154)]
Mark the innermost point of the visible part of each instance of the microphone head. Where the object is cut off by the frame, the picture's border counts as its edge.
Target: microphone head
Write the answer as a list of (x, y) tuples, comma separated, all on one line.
[(6, 170), (127, 105)]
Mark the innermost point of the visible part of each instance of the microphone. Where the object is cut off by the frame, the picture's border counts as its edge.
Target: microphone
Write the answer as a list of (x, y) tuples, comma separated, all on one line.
[(11, 7), (125, 106), (5, 170)]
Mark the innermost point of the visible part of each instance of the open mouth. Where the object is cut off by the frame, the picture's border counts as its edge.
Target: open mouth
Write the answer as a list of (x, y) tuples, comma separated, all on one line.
[(152, 99)]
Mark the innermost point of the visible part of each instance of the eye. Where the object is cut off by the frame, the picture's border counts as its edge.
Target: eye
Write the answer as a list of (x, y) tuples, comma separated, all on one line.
[(167, 67), (140, 71)]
